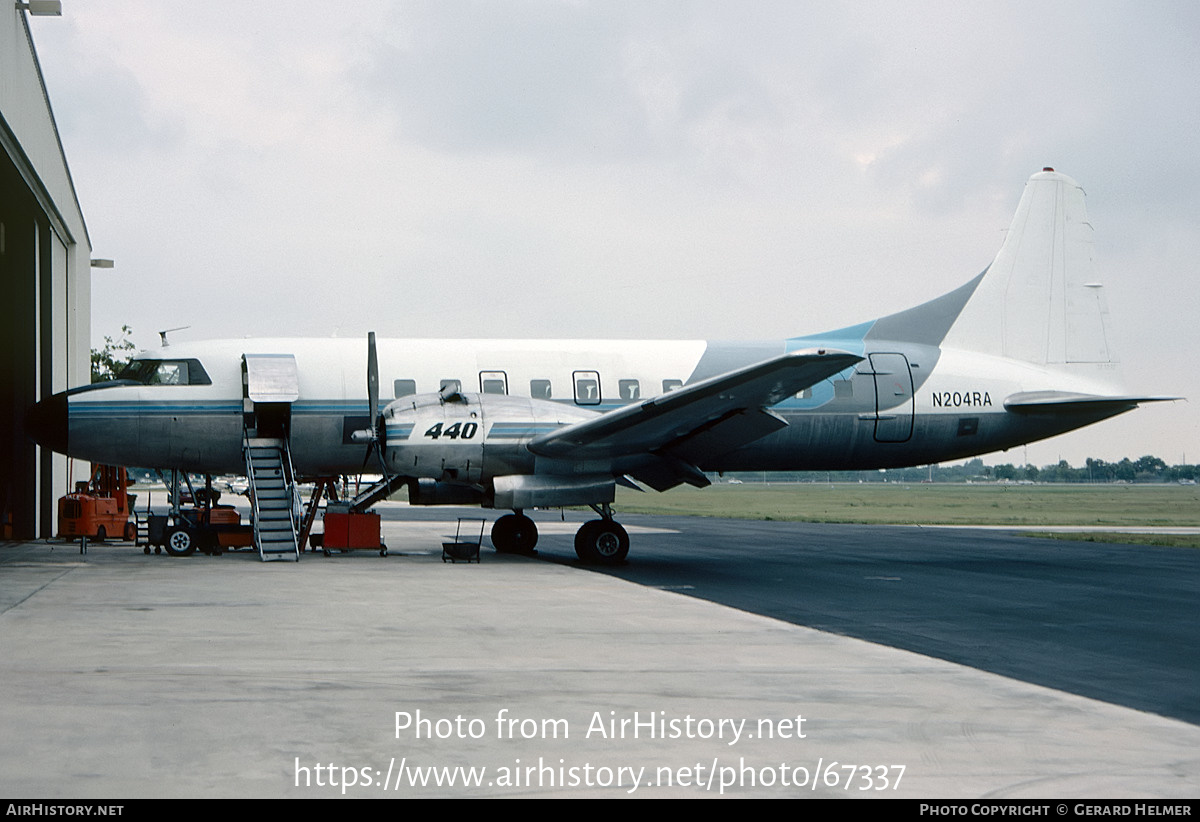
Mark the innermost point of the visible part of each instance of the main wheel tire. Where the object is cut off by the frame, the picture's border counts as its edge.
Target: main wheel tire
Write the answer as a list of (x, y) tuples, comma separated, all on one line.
[(179, 542), (602, 542), (514, 534)]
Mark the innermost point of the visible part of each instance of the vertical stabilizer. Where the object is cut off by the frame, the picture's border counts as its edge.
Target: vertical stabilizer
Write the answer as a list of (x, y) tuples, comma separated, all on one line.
[(1040, 300)]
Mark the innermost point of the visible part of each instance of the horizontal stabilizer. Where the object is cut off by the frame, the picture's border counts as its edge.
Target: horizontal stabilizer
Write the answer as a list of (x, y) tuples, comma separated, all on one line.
[(704, 407), (1067, 402)]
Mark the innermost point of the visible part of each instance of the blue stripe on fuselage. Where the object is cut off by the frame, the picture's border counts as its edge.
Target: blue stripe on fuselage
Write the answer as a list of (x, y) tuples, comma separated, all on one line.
[(127, 409), (850, 339)]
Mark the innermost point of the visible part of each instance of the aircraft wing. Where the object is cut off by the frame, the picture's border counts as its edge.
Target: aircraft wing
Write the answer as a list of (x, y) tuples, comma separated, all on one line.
[(707, 418)]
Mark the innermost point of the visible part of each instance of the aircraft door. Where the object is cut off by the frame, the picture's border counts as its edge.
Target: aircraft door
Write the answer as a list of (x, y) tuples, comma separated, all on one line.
[(894, 406), (270, 384)]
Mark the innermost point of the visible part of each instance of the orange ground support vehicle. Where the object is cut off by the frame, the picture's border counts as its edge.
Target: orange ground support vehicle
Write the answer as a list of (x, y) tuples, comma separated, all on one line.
[(212, 528), (99, 508), (205, 525)]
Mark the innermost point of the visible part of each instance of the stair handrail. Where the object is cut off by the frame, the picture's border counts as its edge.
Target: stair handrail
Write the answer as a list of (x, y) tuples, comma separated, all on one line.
[(253, 489), (289, 480)]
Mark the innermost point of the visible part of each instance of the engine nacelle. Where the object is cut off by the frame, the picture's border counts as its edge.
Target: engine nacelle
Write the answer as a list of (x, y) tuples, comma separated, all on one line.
[(432, 492), (441, 438), (468, 438), (525, 491)]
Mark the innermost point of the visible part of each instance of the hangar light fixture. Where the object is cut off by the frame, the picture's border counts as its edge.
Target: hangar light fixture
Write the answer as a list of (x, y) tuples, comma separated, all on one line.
[(42, 8), (102, 263)]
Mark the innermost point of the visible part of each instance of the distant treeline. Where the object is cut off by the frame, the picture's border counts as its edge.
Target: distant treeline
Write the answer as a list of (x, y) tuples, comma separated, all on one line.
[(1143, 469)]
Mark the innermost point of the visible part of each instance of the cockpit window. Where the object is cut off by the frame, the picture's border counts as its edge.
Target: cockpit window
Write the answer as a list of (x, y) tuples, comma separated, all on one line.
[(165, 372)]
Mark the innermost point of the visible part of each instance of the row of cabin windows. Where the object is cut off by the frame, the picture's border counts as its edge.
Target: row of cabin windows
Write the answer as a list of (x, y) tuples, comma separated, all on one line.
[(587, 383), (587, 387)]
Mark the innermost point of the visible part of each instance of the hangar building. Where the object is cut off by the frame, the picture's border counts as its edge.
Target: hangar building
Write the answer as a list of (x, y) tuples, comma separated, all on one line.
[(45, 268)]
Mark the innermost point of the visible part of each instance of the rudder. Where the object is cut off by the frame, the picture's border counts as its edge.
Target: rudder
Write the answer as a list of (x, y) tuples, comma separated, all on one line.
[(1040, 301)]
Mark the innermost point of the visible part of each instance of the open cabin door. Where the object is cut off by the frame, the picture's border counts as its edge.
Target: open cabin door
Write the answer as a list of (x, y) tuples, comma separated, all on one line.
[(270, 384), (894, 405)]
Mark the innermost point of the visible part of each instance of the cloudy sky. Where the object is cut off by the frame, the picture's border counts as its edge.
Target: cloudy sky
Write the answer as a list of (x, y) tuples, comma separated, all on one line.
[(627, 169)]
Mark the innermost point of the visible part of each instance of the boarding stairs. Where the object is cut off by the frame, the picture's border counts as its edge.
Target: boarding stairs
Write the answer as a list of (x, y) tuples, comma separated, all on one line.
[(269, 469)]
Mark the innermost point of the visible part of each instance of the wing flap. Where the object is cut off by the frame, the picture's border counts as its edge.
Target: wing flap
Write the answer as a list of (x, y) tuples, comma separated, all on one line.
[(726, 434), (665, 472), (719, 413)]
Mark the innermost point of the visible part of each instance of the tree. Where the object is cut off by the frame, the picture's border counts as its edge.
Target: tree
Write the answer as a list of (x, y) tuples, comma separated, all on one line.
[(1149, 467), (108, 361)]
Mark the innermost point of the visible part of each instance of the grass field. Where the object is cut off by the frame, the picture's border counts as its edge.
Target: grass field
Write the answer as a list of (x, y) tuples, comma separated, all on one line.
[(919, 503), (1169, 540)]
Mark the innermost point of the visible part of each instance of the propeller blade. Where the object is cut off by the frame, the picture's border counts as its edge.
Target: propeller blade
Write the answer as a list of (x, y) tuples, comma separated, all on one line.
[(373, 436), (372, 378)]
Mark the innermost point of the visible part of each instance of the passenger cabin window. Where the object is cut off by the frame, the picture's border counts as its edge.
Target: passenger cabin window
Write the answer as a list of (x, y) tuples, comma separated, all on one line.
[(403, 388), (539, 389), (450, 387), (166, 372), (587, 387), (630, 389), (671, 385)]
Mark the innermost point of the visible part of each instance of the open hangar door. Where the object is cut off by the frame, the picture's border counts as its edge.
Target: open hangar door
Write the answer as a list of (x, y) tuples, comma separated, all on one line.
[(24, 242), (45, 311)]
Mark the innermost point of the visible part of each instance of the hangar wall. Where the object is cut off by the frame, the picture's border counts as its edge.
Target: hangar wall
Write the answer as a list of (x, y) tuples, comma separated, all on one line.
[(45, 257)]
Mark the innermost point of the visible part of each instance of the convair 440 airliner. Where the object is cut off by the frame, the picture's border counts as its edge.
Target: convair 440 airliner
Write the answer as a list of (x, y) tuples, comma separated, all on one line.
[(1019, 353)]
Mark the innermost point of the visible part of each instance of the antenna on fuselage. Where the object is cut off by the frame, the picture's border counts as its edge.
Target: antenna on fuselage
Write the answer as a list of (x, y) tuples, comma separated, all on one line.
[(163, 334)]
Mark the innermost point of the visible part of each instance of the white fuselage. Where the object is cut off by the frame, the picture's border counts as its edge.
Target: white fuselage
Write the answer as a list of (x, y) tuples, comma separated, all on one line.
[(903, 404)]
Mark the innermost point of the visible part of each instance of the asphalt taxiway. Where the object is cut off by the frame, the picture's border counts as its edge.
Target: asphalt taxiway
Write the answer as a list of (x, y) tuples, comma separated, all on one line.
[(953, 663)]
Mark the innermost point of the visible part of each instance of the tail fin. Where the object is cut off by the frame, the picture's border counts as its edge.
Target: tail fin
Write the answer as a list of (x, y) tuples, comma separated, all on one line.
[(1040, 301)]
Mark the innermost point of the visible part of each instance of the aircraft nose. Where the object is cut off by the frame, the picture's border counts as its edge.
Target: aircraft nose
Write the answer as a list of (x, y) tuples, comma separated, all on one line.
[(46, 423)]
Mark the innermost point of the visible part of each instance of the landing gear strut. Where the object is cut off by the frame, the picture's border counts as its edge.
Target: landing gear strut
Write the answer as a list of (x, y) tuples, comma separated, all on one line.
[(514, 534), (602, 541)]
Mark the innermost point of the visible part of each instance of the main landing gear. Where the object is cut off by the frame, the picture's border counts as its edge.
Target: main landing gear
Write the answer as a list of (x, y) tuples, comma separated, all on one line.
[(598, 542), (602, 541), (514, 533)]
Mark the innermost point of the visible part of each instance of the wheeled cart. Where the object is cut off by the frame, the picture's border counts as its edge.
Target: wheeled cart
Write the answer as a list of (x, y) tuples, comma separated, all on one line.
[(463, 549), (348, 530)]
